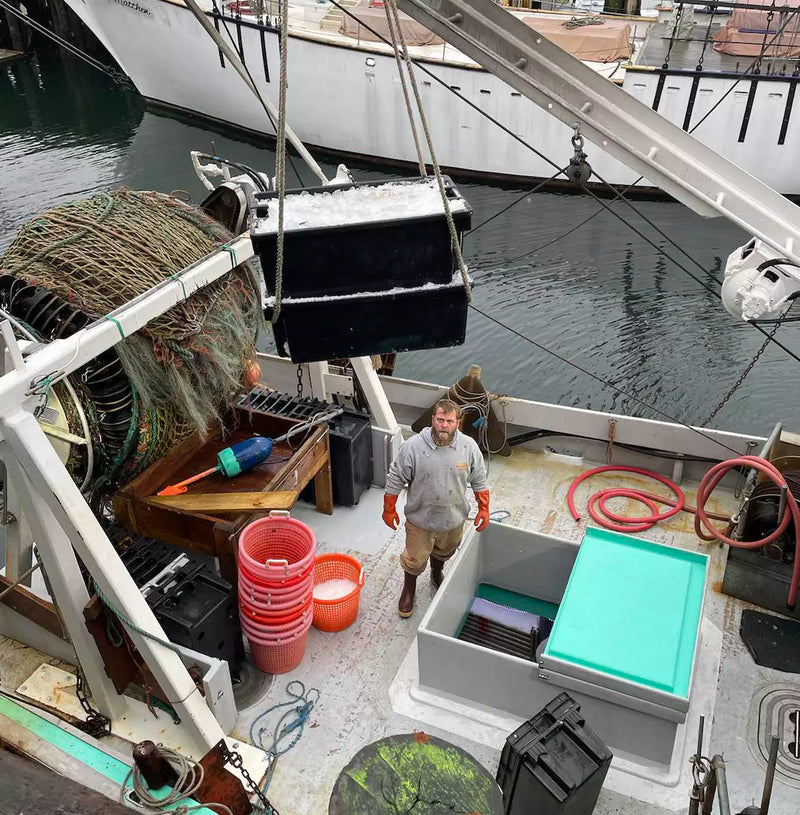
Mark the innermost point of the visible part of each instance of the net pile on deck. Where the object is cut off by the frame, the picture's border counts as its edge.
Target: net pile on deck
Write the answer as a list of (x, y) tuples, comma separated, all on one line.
[(77, 263)]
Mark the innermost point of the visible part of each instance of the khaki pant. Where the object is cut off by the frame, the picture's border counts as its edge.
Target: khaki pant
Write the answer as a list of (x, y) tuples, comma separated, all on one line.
[(423, 543)]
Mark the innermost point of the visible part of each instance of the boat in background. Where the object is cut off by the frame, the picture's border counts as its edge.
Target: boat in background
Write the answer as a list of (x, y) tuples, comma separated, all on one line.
[(383, 676), (346, 98)]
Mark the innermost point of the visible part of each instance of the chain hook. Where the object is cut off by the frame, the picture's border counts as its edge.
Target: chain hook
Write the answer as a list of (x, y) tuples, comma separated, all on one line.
[(577, 139)]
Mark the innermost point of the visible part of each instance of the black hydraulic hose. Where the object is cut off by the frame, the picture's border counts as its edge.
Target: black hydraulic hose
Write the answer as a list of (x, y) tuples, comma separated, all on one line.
[(248, 171)]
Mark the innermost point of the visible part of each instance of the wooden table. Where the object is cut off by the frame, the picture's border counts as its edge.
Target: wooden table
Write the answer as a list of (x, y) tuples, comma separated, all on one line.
[(217, 533)]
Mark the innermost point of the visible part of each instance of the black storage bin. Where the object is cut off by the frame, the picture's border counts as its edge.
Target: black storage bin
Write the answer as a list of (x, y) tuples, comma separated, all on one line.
[(351, 456), (553, 764), (369, 256), (199, 610), (368, 324)]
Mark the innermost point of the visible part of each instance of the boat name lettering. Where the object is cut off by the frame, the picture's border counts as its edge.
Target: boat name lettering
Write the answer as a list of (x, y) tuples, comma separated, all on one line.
[(131, 4)]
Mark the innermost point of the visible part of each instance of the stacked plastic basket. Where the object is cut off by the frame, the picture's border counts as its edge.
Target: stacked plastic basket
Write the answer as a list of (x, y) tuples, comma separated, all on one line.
[(276, 584)]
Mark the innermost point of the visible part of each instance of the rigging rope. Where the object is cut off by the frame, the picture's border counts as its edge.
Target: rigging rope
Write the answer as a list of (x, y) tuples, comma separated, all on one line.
[(713, 291), (451, 226), (292, 722), (118, 77), (190, 779), (280, 157), (401, 73), (615, 388)]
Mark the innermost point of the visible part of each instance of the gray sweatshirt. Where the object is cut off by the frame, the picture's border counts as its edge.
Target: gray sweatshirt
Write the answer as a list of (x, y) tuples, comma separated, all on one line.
[(437, 479)]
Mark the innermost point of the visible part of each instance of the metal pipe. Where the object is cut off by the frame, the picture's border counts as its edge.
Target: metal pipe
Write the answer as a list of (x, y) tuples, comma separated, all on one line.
[(694, 796), (20, 579), (766, 794), (718, 765), (711, 791), (782, 502)]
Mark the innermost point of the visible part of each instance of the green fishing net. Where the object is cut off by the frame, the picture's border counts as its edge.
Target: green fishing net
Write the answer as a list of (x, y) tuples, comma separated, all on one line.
[(186, 366)]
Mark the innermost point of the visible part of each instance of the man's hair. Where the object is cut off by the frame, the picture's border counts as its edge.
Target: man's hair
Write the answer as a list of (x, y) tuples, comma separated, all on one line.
[(447, 406)]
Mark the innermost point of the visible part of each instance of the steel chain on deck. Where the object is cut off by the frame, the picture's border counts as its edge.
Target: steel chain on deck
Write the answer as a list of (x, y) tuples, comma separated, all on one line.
[(235, 760), (96, 724), (299, 381)]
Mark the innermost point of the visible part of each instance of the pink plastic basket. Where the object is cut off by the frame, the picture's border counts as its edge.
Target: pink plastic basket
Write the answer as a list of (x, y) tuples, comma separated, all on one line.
[(271, 618), (278, 657), (283, 585), (264, 630), (277, 547), (267, 602), (266, 592)]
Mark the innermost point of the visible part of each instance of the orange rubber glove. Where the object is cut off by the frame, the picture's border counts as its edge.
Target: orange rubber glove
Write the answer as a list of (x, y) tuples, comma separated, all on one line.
[(390, 516), (482, 518)]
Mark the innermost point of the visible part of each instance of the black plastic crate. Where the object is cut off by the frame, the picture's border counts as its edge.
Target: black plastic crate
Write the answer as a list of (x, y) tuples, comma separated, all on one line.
[(369, 256), (145, 558), (199, 610), (408, 320), (553, 764)]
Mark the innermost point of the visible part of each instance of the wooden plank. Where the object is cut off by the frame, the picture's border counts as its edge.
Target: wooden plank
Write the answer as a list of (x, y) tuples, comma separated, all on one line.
[(34, 608), (323, 484), (227, 501)]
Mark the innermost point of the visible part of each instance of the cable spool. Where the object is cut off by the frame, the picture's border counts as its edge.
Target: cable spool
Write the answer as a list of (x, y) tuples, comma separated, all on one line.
[(762, 519), (105, 389)]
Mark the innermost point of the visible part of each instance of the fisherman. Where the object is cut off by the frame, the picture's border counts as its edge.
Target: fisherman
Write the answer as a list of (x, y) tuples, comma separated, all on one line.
[(436, 465)]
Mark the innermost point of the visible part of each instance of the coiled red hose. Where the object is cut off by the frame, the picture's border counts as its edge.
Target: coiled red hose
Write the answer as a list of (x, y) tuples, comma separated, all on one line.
[(617, 522), (702, 524)]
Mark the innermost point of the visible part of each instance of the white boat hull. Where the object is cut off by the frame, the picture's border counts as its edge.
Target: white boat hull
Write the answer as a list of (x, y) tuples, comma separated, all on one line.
[(347, 99)]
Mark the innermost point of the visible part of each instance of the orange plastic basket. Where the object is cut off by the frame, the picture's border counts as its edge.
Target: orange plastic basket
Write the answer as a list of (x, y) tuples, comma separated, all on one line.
[(338, 614)]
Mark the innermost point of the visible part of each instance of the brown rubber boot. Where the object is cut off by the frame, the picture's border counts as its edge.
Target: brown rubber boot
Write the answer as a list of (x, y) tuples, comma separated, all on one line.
[(436, 572), (405, 608)]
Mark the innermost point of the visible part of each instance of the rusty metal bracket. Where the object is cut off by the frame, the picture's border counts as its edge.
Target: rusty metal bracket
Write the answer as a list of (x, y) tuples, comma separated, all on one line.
[(219, 784)]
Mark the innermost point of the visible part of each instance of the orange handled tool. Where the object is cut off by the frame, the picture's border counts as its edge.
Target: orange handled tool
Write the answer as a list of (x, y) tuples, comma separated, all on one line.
[(245, 455)]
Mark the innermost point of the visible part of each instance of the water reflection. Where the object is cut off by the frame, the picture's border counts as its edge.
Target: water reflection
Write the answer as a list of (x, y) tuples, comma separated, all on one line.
[(601, 295)]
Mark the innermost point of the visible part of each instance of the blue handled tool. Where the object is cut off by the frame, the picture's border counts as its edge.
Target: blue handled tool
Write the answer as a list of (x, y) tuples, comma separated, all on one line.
[(245, 455)]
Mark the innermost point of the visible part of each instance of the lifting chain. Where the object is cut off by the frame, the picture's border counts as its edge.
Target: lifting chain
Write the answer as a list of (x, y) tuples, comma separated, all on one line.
[(96, 724), (676, 23), (579, 170), (235, 760), (744, 374), (299, 381), (764, 44)]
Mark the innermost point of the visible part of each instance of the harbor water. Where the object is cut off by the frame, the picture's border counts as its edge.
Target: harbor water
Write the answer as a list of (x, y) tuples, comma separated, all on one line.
[(617, 302)]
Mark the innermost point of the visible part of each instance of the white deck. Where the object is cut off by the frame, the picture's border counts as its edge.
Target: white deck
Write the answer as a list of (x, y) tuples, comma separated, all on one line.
[(366, 674)]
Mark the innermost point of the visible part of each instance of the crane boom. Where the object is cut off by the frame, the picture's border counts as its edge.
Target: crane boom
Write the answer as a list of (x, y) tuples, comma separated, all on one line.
[(612, 119)]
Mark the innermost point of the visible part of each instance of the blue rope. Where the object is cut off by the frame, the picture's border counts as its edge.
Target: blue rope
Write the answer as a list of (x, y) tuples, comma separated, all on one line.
[(292, 721)]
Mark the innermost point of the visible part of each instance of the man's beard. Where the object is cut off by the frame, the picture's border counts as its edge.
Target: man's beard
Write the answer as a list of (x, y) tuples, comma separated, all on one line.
[(443, 438)]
